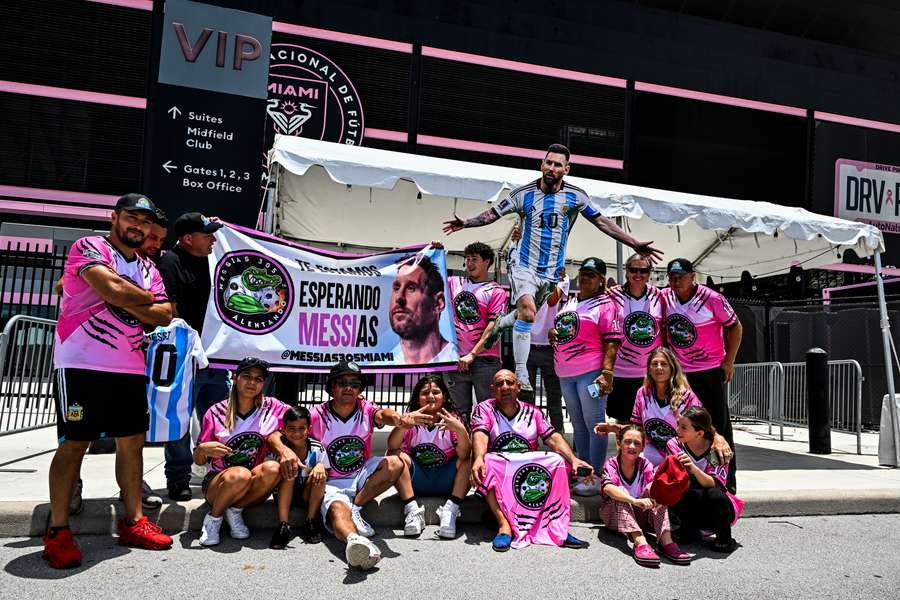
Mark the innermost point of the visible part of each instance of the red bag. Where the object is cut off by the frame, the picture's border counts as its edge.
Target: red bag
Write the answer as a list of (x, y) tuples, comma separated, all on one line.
[(670, 482)]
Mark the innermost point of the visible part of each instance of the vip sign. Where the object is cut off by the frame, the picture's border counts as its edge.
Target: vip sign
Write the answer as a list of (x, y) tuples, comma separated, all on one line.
[(867, 192)]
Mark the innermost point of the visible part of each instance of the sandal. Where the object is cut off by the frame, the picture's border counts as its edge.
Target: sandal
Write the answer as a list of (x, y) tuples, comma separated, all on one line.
[(502, 542), (673, 553), (645, 556)]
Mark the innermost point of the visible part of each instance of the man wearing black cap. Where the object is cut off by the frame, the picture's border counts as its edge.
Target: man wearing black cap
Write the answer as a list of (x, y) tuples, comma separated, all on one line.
[(185, 271), (705, 334)]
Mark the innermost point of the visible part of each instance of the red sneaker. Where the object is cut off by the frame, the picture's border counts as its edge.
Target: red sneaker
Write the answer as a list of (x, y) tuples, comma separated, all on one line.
[(143, 534), (61, 551)]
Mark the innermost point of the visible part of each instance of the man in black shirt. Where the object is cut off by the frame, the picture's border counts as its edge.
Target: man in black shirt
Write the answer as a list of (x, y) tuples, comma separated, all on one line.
[(185, 273)]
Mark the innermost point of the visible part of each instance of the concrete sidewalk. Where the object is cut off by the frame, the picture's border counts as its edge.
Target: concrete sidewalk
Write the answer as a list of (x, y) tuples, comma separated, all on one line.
[(775, 478)]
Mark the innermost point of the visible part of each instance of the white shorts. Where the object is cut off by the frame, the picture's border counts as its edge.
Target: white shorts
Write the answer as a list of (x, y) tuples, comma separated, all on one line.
[(344, 489), (523, 281)]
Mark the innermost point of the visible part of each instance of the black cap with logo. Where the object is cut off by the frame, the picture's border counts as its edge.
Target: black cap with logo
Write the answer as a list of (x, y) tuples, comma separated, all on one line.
[(194, 222), (251, 362), (136, 202), (344, 367), (592, 263), (680, 266)]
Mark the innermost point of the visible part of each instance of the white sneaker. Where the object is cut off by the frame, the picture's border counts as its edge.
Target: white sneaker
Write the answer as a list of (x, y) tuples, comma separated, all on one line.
[(236, 524), (414, 521), (361, 552), (209, 535), (362, 528), (448, 514), (586, 488)]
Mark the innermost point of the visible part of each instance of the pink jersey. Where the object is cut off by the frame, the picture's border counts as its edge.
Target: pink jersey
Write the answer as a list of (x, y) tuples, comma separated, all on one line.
[(709, 464), (694, 329), (532, 489), (92, 334), (658, 421), (520, 433), (474, 305), (348, 442), (543, 320), (430, 447), (640, 480), (641, 320), (247, 439), (582, 327)]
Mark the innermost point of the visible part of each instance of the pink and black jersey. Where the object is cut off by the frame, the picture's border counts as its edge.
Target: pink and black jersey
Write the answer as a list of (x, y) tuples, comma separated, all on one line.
[(430, 447), (348, 442), (532, 489), (641, 320), (658, 421), (519, 433), (93, 334), (247, 438), (709, 464), (475, 304), (582, 327), (694, 329), (640, 480)]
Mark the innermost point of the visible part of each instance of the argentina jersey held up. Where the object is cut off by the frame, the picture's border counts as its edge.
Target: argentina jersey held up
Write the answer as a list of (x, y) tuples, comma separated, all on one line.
[(173, 354)]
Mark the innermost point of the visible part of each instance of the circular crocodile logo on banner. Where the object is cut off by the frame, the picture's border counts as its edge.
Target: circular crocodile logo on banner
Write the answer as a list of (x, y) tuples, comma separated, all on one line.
[(659, 432), (531, 485), (244, 449), (253, 292), (466, 307), (566, 325), (510, 442), (640, 329), (347, 454), (681, 332), (429, 456)]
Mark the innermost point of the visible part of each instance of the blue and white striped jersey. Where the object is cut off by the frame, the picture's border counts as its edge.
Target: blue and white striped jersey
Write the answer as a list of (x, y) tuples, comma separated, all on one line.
[(547, 220), (173, 353)]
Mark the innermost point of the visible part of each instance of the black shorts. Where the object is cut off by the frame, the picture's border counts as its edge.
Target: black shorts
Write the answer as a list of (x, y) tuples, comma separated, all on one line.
[(91, 405)]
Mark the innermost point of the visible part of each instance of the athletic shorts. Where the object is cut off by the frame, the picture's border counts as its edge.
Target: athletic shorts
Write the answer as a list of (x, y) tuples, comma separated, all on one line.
[(297, 495), (344, 489), (434, 482), (523, 282), (91, 405)]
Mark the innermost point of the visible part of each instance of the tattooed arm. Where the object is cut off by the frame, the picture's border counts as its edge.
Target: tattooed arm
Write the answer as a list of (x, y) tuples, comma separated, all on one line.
[(485, 218)]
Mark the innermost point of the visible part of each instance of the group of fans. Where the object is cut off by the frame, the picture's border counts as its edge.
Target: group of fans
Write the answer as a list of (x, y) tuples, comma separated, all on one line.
[(655, 360)]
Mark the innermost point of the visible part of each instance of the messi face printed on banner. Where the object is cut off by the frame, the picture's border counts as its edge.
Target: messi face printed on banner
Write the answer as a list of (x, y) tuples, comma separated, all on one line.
[(417, 301)]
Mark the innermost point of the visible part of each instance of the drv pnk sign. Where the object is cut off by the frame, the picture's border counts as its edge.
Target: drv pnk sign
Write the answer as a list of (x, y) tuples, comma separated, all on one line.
[(867, 192)]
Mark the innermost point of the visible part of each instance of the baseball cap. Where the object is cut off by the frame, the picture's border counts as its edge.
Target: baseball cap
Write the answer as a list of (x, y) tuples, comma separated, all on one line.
[(680, 265), (592, 263), (251, 362), (136, 202), (344, 367), (194, 222)]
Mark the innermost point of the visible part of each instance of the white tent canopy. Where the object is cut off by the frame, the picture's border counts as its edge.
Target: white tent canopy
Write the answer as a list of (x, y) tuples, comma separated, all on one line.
[(379, 199)]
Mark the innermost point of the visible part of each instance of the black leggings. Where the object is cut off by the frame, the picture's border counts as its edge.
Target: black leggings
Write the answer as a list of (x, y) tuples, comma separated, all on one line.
[(705, 508), (709, 386)]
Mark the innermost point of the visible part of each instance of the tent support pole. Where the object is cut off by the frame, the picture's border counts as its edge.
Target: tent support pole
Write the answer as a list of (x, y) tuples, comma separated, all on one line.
[(888, 449), (271, 193), (620, 271)]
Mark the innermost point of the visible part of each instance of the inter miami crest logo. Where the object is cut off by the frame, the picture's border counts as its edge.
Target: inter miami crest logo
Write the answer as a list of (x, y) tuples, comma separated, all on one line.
[(244, 449), (640, 329), (531, 485), (566, 325), (429, 456), (310, 96), (466, 306), (253, 292), (681, 332), (347, 454)]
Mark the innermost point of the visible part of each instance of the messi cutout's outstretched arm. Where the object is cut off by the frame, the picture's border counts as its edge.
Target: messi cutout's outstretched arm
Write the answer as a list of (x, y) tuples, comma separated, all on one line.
[(456, 224)]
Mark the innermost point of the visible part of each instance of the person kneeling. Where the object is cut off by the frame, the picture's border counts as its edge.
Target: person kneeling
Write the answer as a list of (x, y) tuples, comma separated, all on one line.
[(234, 438), (624, 484), (303, 472)]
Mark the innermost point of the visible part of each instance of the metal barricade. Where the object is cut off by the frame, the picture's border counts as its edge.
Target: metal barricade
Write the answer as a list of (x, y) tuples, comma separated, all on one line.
[(756, 392), (26, 374)]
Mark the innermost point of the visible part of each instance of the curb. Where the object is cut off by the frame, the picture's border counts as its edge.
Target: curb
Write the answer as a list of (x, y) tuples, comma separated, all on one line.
[(22, 519)]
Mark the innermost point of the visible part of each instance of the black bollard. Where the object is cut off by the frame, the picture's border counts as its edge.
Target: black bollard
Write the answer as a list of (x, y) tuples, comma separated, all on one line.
[(817, 401)]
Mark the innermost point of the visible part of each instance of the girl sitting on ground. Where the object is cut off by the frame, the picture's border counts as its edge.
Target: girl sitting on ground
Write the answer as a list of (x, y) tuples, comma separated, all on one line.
[(707, 504), (624, 483)]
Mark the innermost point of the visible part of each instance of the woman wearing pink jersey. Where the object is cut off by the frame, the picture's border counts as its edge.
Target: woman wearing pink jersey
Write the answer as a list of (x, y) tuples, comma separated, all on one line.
[(586, 334), (625, 483), (641, 312), (707, 504), (436, 455), (233, 439)]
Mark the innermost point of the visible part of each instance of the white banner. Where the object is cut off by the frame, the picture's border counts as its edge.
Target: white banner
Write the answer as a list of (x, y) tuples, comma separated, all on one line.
[(304, 309), (867, 192)]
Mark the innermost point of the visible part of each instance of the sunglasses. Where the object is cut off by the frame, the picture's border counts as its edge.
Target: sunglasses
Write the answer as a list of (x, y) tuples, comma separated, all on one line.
[(642, 271), (345, 382)]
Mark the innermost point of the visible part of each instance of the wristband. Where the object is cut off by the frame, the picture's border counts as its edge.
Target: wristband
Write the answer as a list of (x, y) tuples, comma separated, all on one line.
[(605, 371)]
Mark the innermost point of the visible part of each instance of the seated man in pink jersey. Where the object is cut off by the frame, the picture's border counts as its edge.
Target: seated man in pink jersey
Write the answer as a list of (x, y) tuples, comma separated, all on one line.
[(502, 427), (344, 426)]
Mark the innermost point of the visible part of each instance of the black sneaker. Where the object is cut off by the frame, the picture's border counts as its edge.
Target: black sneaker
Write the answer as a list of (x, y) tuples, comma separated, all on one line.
[(281, 537), (310, 532), (76, 504), (180, 492), (149, 499)]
